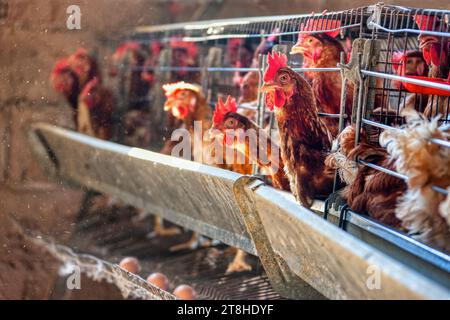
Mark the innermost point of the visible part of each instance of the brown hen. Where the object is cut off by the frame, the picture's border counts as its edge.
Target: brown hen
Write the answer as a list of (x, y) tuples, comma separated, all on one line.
[(305, 139)]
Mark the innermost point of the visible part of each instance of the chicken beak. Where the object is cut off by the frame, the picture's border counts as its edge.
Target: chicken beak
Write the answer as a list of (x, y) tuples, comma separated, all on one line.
[(167, 106), (267, 88), (297, 49)]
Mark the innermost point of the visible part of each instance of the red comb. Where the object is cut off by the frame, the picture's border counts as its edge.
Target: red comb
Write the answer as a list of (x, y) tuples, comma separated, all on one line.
[(275, 62), (124, 47), (81, 52), (425, 22), (397, 58), (223, 108), (273, 36), (60, 66), (190, 47), (155, 47), (234, 42), (322, 24)]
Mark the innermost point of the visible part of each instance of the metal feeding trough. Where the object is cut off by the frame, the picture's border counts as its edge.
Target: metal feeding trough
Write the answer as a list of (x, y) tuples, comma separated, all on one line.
[(303, 255)]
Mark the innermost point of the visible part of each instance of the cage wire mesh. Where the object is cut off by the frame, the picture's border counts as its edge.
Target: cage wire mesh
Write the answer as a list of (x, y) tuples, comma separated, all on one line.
[(218, 54), (403, 76)]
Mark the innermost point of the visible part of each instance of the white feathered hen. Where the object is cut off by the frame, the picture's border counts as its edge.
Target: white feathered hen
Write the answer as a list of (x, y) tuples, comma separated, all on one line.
[(425, 164)]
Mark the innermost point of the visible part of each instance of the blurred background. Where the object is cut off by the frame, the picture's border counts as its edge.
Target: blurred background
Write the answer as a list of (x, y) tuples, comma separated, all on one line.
[(33, 35)]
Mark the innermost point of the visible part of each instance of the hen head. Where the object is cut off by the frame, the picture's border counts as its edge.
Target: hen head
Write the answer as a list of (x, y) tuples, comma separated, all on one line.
[(315, 46), (311, 47), (182, 99), (410, 63), (129, 52), (228, 125), (431, 46), (249, 87), (318, 48), (280, 82), (82, 63), (63, 77), (184, 54)]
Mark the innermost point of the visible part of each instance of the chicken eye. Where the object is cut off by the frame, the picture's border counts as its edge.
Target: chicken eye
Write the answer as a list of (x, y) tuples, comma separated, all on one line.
[(230, 123), (182, 94), (284, 78)]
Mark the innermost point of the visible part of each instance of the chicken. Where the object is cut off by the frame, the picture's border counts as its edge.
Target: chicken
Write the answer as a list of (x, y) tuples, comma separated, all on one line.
[(305, 139), (138, 131), (409, 63), (240, 55), (184, 56), (147, 74), (249, 87), (367, 191), (425, 164), (321, 50), (84, 65), (249, 94), (240, 133), (186, 103), (70, 75), (95, 110), (436, 52), (265, 46), (66, 81), (132, 56)]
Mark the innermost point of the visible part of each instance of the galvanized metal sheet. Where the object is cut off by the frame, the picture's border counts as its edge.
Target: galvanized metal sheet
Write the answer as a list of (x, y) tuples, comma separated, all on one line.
[(334, 262), (201, 198), (190, 194)]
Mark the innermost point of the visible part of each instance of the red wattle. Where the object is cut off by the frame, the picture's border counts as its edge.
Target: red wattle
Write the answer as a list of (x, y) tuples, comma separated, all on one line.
[(180, 112), (316, 55), (280, 98), (426, 55)]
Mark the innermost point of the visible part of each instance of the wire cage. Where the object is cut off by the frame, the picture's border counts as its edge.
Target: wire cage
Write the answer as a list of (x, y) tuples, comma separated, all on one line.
[(399, 72), (218, 54), (223, 51), (404, 36), (403, 76)]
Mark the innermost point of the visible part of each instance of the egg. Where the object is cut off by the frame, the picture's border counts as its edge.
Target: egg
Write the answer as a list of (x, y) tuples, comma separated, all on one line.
[(159, 280), (130, 264), (185, 292)]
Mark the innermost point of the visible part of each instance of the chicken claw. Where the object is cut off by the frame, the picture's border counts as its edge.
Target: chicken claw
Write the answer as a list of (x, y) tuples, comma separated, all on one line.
[(195, 242), (160, 231)]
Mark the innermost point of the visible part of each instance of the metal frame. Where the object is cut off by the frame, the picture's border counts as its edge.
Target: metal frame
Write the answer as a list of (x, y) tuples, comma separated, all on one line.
[(380, 29), (105, 166)]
